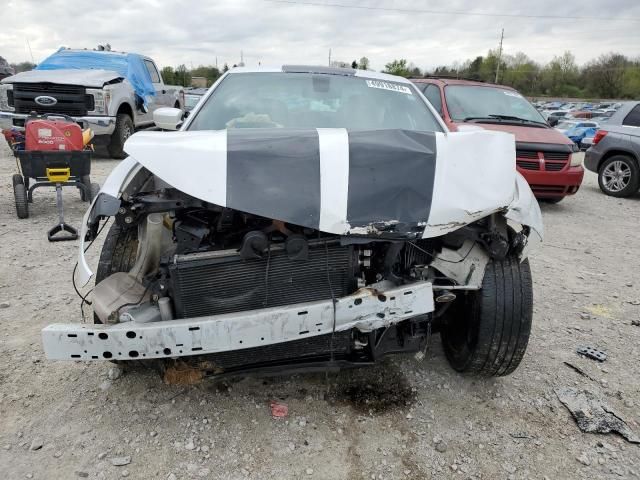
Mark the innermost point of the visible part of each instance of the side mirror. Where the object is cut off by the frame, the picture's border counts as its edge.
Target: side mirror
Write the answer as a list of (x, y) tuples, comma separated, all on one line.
[(167, 118)]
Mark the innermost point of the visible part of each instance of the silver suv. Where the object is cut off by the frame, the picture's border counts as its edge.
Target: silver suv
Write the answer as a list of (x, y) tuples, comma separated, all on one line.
[(615, 153)]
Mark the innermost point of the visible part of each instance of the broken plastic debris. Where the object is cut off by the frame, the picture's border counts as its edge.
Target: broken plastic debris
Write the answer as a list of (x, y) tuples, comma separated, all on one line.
[(279, 410), (590, 352), (593, 415)]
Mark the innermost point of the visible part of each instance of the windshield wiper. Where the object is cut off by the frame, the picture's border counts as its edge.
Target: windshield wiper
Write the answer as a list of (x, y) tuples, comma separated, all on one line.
[(495, 116)]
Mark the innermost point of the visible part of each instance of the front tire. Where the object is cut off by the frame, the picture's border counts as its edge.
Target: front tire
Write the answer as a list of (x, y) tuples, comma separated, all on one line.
[(487, 331), (124, 129), (619, 176)]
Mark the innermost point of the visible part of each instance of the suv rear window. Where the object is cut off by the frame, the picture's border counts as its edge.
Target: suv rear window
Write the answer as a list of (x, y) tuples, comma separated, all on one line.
[(633, 117)]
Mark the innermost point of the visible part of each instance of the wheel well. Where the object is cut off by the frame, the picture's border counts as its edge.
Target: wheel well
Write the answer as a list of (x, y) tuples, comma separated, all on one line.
[(612, 153), (125, 108)]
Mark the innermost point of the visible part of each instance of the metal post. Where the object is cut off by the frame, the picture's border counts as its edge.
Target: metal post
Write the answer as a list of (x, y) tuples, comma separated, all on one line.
[(499, 56)]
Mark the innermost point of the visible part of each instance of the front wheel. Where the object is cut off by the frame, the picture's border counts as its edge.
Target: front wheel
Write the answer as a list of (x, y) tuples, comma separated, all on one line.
[(487, 331), (619, 176), (124, 129)]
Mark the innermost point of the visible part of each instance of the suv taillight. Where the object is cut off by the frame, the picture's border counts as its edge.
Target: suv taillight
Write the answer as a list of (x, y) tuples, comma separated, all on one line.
[(600, 134)]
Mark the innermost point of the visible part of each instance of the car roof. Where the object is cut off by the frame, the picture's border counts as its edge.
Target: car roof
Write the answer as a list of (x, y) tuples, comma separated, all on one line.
[(618, 117), (317, 69), (458, 81)]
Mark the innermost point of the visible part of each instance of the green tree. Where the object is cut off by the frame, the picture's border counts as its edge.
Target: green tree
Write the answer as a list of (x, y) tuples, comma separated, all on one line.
[(182, 76), (363, 63), (397, 67), (168, 75), (605, 76), (354, 64)]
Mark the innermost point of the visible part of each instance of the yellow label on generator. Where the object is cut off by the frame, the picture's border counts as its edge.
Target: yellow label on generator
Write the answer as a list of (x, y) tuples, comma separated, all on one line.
[(58, 175)]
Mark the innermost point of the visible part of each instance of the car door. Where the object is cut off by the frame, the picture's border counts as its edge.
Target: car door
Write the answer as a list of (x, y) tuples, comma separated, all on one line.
[(631, 124), (156, 79)]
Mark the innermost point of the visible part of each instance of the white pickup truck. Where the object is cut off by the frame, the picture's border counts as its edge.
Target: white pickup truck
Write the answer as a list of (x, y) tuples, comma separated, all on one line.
[(112, 93)]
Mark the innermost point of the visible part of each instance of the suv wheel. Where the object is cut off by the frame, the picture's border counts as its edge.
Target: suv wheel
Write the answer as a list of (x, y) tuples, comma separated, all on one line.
[(487, 331), (619, 176), (124, 129)]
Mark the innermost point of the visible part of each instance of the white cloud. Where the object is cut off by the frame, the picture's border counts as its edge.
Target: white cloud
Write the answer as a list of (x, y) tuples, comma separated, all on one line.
[(274, 33)]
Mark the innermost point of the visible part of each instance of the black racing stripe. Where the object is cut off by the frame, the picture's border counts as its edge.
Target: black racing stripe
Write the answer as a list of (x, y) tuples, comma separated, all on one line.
[(275, 173), (391, 175)]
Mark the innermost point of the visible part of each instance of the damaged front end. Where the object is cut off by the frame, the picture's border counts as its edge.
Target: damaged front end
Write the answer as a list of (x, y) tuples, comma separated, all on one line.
[(244, 274)]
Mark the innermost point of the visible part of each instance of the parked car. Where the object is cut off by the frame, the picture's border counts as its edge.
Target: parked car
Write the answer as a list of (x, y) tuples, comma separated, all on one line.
[(567, 125), (192, 96), (112, 93), (577, 130), (309, 226), (543, 155), (554, 116), (615, 152)]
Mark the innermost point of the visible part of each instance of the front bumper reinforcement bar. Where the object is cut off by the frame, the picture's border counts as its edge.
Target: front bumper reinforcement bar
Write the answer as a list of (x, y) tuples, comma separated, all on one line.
[(367, 309)]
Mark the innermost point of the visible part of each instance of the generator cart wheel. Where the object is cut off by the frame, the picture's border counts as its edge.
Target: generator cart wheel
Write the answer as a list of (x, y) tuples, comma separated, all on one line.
[(124, 129), (119, 253), (20, 196), (487, 331)]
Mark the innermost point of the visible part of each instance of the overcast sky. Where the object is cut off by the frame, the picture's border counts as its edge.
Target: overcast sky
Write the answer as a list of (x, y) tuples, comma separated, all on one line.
[(274, 33)]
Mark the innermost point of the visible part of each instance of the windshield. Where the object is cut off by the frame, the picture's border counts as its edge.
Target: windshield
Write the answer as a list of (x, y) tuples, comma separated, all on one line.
[(566, 125), (191, 100), (471, 101), (305, 100)]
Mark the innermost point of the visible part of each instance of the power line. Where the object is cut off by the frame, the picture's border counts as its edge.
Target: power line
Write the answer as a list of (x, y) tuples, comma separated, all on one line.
[(452, 12)]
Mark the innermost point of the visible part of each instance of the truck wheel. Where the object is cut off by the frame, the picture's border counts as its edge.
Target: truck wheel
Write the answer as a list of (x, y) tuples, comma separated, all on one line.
[(619, 176), (119, 253), (20, 196), (124, 129), (487, 331)]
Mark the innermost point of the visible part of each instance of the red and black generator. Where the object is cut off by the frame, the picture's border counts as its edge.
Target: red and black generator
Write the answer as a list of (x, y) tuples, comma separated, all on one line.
[(54, 152)]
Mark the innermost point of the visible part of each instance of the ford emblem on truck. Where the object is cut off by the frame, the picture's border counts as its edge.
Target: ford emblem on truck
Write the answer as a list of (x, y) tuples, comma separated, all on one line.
[(46, 101)]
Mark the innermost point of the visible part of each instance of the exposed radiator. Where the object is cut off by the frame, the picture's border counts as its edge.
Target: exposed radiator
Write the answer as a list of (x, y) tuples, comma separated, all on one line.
[(219, 282)]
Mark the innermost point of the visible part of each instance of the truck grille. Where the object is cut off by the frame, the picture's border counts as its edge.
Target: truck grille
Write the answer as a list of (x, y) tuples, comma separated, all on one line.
[(71, 100), (213, 283), (552, 161)]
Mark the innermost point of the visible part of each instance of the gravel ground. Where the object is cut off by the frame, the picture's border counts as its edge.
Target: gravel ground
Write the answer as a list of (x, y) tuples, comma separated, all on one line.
[(405, 419)]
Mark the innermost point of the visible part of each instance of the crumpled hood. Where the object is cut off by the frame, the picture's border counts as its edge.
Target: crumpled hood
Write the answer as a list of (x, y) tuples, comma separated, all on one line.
[(386, 183), (88, 78)]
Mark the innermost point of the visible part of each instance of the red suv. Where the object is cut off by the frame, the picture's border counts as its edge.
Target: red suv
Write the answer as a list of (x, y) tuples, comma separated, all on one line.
[(544, 156)]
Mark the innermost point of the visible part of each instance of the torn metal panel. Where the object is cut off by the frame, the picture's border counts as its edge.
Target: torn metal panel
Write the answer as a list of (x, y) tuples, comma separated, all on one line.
[(113, 186), (366, 310), (592, 414)]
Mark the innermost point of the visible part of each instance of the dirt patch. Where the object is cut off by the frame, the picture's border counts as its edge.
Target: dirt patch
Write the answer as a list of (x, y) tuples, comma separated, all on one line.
[(378, 394)]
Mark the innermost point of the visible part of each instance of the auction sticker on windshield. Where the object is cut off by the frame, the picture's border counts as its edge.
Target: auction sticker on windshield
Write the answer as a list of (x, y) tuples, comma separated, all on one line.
[(388, 86)]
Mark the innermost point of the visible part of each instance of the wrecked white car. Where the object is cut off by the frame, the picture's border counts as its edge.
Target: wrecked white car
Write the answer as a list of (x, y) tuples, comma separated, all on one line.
[(309, 218)]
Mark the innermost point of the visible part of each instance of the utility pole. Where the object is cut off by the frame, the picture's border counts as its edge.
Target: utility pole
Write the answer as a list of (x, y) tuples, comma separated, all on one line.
[(329, 57), (499, 56), (30, 52)]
